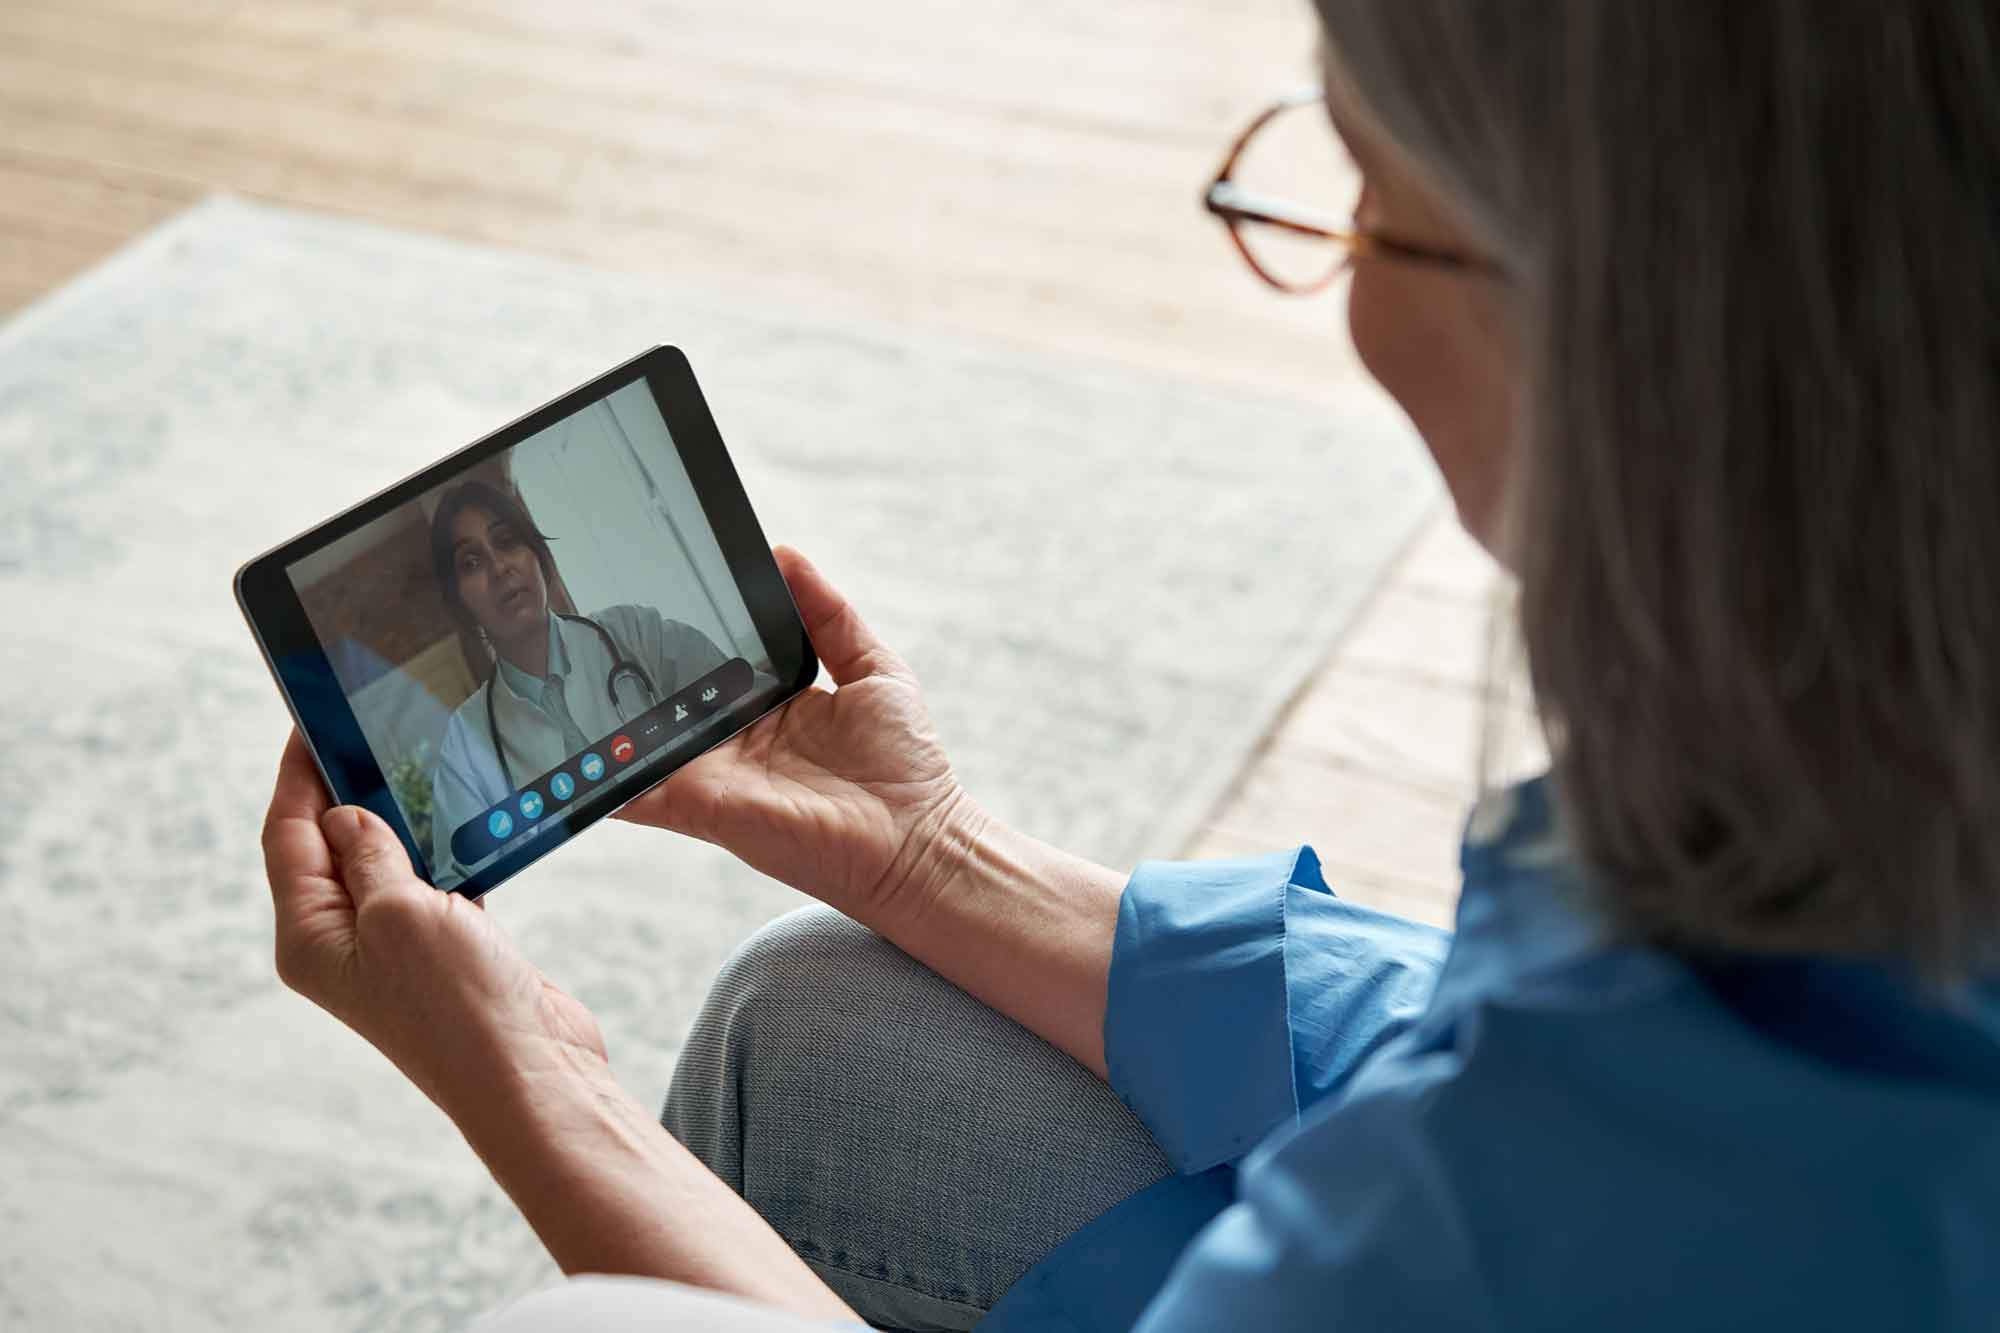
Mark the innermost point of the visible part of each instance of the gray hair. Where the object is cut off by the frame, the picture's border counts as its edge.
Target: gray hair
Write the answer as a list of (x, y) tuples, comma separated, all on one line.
[(1754, 498)]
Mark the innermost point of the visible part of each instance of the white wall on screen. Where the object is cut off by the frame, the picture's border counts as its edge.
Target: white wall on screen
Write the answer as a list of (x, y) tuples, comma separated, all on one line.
[(608, 486)]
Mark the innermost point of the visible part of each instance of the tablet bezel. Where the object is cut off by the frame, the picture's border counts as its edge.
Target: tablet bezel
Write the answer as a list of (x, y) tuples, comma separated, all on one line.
[(305, 677)]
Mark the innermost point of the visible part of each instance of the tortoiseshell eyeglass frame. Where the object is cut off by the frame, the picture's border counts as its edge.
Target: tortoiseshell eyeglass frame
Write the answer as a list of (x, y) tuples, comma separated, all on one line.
[(1236, 206)]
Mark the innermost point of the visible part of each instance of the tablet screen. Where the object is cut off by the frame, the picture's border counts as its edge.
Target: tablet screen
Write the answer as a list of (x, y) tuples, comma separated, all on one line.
[(554, 623)]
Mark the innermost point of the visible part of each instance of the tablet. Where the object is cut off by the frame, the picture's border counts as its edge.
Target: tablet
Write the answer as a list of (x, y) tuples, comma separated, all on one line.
[(499, 651)]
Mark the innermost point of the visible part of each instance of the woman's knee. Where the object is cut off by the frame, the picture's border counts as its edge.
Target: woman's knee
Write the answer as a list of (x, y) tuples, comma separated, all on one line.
[(822, 1034), (774, 1004), (791, 976), (903, 1136)]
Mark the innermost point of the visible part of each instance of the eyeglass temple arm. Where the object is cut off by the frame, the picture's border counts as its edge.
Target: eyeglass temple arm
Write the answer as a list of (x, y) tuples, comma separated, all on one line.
[(1227, 199), (1232, 203)]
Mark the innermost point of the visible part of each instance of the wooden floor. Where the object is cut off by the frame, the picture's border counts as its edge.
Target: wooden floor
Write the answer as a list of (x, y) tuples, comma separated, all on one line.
[(1026, 171)]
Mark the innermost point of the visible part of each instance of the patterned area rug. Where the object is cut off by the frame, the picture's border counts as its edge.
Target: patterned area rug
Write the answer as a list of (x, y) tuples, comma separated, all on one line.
[(1108, 582)]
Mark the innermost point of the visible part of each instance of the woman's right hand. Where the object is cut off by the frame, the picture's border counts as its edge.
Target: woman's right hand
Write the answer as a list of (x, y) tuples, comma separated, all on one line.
[(844, 794)]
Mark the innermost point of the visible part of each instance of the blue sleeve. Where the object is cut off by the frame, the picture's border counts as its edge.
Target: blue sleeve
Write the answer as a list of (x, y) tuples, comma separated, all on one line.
[(1242, 991)]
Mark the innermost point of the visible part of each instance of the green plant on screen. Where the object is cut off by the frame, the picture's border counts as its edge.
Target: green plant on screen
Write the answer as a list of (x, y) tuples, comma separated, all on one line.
[(410, 782)]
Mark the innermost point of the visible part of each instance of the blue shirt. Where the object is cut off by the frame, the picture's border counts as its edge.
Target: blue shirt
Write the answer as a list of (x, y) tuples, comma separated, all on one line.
[(1530, 1125)]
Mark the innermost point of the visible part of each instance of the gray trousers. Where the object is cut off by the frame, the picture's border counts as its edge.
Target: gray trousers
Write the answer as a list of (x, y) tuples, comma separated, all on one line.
[(917, 1149)]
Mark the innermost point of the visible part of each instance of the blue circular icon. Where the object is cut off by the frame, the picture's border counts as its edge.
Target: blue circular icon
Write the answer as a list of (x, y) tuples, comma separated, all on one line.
[(591, 766), (500, 823), (531, 804), (562, 786)]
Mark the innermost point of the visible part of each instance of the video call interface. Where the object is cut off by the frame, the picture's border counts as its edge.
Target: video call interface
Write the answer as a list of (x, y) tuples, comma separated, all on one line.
[(547, 624)]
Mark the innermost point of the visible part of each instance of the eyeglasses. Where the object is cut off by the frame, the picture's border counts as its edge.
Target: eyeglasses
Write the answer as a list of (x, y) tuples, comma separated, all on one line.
[(1295, 247)]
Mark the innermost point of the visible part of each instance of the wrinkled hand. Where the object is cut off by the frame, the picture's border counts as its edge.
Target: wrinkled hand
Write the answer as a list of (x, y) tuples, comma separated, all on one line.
[(844, 794), (427, 977)]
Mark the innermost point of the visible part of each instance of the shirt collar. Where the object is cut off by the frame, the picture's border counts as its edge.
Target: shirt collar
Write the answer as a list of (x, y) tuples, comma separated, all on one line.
[(1524, 912), (527, 686), (1527, 923)]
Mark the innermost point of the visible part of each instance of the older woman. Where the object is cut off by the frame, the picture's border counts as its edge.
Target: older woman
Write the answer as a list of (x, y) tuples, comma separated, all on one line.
[(1694, 306)]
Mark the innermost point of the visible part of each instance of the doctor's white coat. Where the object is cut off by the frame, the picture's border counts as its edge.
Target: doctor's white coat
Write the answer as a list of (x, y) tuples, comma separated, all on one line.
[(469, 777)]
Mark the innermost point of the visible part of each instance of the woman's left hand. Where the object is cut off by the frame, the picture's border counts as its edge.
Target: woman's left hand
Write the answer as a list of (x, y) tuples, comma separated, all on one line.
[(426, 976)]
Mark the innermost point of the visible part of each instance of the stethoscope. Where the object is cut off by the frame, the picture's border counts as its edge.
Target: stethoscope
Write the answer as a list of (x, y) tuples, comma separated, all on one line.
[(622, 668)]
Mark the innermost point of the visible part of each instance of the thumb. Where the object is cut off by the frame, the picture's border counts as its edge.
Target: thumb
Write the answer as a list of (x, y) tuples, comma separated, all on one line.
[(839, 635), (366, 854)]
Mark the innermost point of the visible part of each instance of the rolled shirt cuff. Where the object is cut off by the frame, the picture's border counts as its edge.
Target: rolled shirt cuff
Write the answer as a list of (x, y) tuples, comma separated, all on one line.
[(1243, 991), (1196, 1034)]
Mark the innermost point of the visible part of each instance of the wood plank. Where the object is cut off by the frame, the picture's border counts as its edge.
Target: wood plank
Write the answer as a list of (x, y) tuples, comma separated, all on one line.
[(1087, 262), (34, 261), (1352, 815), (1377, 761), (1429, 903), (1422, 734), (580, 116), (20, 287), (1119, 64), (363, 137), (978, 294), (1446, 562), (1414, 634), (65, 195)]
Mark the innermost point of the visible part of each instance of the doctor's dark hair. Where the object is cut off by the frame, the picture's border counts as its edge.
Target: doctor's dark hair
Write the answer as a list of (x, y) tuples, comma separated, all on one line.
[(504, 508), (1754, 486)]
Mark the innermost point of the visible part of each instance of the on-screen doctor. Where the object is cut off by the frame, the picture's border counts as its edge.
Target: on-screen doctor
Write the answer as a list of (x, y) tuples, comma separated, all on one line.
[(556, 682)]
